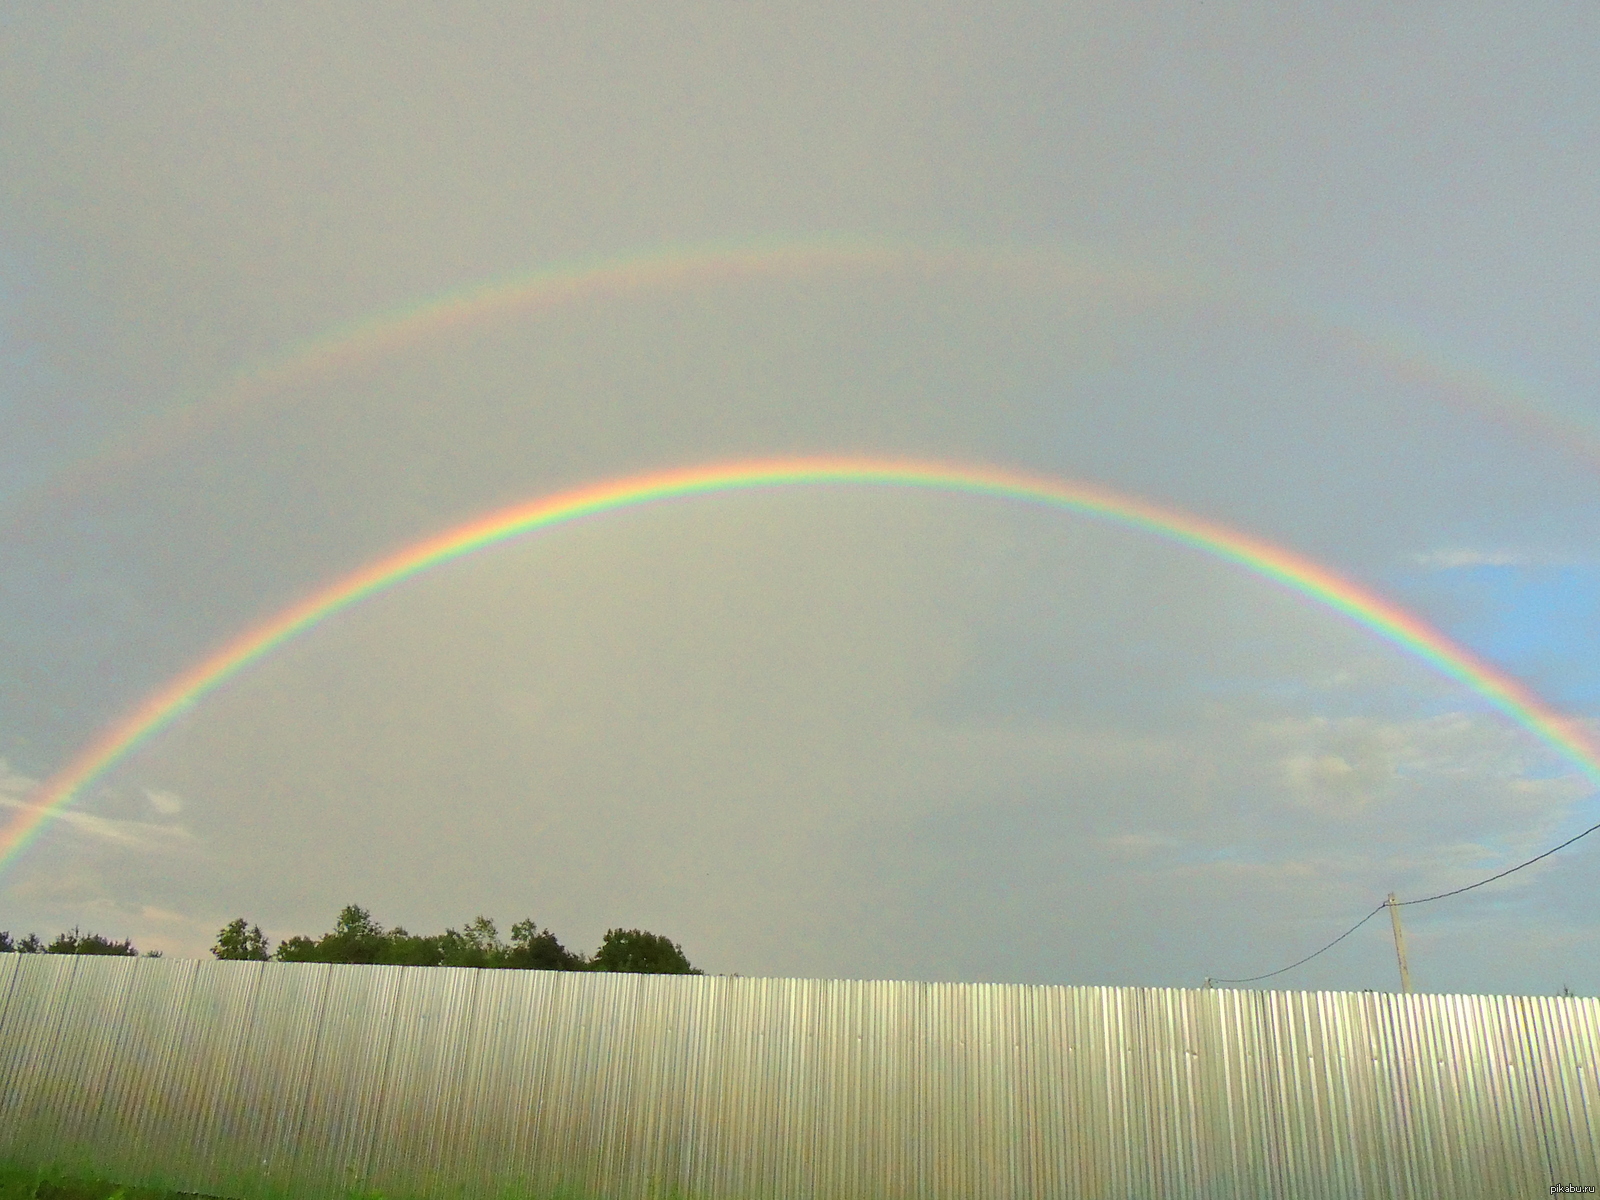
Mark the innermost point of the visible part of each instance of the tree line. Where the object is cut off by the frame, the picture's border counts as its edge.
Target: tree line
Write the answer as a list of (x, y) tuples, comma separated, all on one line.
[(357, 938), (72, 942)]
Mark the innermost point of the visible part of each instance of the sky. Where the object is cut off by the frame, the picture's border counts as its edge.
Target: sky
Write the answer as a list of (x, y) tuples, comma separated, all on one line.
[(285, 290)]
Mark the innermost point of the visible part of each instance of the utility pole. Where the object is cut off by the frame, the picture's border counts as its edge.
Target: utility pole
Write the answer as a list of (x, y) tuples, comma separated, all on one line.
[(1399, 942)]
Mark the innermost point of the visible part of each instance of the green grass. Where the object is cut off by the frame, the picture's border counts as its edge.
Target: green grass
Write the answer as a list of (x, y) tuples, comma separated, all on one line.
[(25, 1183), (19, 1182)]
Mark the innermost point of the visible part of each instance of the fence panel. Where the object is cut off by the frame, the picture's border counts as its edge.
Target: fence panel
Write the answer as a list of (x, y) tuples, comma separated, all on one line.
[(270, 1079)]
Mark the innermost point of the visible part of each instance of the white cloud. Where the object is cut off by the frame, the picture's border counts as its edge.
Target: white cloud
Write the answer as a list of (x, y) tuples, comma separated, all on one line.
[(165, 803), (85, 897), (1140, 843), (13, 784), (1457, 558), (136, 834), (1428, 804)]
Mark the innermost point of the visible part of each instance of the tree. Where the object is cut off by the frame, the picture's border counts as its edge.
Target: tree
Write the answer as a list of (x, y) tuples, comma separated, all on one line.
[(478, 945), (89, 943), (236, 942), (535, 949), (356, 938), (297, 949), (414, 949), (641, 952)]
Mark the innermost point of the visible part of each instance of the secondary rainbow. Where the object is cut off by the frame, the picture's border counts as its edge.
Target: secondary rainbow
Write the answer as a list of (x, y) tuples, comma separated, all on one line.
[(1383, 618), (377, 335), (1497, 397), (660, 272)]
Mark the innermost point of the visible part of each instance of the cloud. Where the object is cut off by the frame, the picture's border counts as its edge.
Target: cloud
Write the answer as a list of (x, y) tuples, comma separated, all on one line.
[(1428, 777), (13, 784), (1462, 557), (1140, 843), (136, 835), (140, 834), (86, 897), (165, 803)]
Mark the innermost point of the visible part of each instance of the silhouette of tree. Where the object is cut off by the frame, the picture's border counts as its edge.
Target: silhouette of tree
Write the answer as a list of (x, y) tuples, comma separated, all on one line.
[(89, 943), (535, 949), (235, 941), (645, 953), (297, 949), (357, 938)]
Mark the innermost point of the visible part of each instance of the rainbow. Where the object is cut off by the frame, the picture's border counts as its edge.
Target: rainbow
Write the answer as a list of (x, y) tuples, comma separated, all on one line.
[(1491, 395), (1499, 398), (351, 345), (1386, 620), (1526, 411)]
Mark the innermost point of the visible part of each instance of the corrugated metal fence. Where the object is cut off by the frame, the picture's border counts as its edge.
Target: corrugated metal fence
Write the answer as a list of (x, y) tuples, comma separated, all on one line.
[(299, 1079)]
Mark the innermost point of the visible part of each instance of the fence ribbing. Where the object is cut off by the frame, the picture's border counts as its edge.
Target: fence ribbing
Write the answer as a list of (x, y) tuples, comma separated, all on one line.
[(244, 1079)]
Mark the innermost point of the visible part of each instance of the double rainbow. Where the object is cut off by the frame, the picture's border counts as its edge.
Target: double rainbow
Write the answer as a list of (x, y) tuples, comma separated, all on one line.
[(1384, 619)]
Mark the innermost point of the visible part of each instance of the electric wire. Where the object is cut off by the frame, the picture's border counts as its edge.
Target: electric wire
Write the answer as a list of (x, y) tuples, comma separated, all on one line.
[(1313, 954), (1403, 903), (1503, 874)]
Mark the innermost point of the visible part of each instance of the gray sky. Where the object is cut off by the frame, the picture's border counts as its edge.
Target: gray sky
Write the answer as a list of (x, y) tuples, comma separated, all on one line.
[(836, 732)]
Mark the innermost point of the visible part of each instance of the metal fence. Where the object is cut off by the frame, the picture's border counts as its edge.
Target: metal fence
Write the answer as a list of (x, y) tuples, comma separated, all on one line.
[(255, 1079)]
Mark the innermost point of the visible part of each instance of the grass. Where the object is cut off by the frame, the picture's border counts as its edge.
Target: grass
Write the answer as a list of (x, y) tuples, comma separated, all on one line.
[(24, 1183), (19, 1182)]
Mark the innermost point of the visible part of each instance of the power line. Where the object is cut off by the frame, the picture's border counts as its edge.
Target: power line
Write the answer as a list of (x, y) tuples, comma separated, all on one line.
[(1506, 872), (1402, 903), (1313, 954)]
